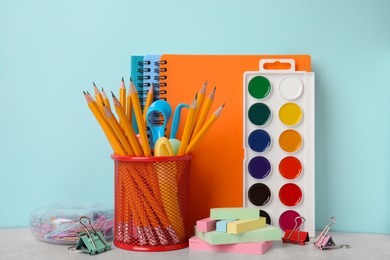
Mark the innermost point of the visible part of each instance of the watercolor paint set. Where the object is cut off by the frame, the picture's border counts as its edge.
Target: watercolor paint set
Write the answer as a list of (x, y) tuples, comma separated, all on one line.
[(279, 163)]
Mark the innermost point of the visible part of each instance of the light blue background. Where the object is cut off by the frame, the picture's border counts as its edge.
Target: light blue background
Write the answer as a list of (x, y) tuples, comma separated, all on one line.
[(51, 148)]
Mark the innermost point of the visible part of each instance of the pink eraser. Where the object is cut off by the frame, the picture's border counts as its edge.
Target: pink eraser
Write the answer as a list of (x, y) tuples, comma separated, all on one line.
[(252, 248), (205, 225)]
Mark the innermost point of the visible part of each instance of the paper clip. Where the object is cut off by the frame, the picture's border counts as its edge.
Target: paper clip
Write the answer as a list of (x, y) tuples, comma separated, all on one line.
[(91, 242), (324, 241), (296, 236)]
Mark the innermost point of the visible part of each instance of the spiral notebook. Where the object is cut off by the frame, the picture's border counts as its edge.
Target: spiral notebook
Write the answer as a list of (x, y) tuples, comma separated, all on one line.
[(136, 73), (145, 71), (217, 167), (151, 76)]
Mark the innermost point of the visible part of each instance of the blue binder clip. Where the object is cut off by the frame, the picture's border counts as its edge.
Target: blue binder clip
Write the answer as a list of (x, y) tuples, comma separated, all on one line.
[(91, 242)]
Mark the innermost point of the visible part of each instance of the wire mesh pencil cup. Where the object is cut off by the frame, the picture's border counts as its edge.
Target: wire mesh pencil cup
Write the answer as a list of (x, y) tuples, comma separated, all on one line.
[(152, 202)]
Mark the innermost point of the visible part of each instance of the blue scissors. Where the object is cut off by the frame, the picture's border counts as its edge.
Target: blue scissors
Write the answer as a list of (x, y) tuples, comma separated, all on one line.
[(176, 120), (157, 108), (162, 107)]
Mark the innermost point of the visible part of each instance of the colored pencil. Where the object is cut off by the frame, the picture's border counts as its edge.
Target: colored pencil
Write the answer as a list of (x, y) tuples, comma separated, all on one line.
[(127, 127), (99, 98), (118, 131), (201, 95), (187, 128), (122, 93), (194, 142), (204, 112), (140, 208), (139, 119), (149, 99), (105, 99), (128, 109), (109, 132)]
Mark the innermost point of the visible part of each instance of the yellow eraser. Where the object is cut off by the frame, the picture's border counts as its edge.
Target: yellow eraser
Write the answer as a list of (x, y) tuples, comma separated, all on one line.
[(234, 213), (244, 225)]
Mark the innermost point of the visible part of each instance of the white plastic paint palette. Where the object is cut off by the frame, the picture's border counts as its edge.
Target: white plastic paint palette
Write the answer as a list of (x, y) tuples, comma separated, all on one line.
[(279, 144)]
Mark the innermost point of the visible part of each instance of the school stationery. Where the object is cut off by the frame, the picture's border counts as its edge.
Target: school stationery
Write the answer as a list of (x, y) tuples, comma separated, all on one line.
[(255, 248), (244, 225), (206, 225), (222, 225), (234, 213), (91, 241), (163, 110), (279, 142), (151, 77), (296, 236), (221, 153), (137, 73), (325, 241), (151, 192), (267, 233), (59, 223)]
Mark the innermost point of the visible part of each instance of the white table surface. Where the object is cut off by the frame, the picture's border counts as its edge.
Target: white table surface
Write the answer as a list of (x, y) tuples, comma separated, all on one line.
[(20, 244)]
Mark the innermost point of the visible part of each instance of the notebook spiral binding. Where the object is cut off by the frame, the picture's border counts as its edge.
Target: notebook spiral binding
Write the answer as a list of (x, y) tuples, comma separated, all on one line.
[(153, 77), (162, 70), (160, 62), (140, 79), (142, 70), (146, 62), (159, 70)]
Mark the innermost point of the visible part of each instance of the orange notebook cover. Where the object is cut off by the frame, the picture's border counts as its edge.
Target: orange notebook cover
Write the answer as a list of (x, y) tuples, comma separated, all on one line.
[(217, 166)]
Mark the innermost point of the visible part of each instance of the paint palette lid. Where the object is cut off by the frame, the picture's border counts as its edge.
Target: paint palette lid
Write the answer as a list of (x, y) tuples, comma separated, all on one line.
[(59, 223)]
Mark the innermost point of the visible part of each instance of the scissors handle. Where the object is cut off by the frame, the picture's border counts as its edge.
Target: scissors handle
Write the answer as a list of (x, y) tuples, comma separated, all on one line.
[(157, 108), (176, 120), (157, 130)]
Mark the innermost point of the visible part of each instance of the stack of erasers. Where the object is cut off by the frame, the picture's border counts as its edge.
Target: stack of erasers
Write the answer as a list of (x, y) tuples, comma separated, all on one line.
[(237, 230)]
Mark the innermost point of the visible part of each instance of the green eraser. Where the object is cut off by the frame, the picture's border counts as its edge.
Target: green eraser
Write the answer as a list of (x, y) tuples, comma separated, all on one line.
[(234, 213), (245, 225), (267, 233)]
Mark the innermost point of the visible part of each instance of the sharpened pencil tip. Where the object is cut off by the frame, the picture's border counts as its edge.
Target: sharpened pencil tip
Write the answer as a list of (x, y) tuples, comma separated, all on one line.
[(218, 112), (94, 84), (203, 89), (123, 80), (131, 79), (116, 101), (84, 92)]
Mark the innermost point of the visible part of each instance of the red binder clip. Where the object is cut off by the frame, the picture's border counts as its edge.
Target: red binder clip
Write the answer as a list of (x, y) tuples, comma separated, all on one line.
[(296, 236), (324, 241)]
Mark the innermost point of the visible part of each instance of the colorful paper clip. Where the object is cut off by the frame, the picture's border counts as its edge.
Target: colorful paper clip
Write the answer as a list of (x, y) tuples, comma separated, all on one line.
[(91, 242), (324, 241), (296, 236)]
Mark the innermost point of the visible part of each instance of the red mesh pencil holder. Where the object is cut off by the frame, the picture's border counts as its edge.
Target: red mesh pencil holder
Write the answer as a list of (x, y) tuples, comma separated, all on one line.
[(152, 202)]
